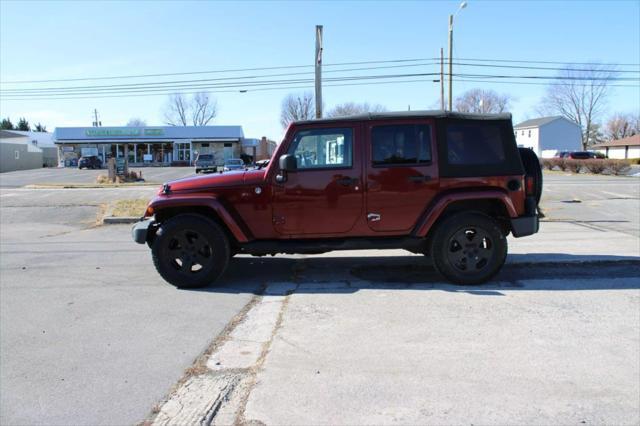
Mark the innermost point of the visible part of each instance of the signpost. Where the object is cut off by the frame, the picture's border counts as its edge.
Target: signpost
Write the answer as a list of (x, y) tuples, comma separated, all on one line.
[(120, 166)]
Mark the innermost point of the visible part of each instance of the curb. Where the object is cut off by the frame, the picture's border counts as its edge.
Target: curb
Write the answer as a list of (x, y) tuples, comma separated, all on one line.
[(112, 220)]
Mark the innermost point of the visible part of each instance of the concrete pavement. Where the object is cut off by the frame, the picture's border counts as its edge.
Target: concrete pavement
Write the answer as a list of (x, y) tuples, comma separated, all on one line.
[(90, 334)]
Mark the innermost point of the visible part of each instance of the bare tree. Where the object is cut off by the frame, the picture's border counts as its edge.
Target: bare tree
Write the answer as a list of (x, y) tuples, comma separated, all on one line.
[(352, 108), (580, 96), (479, 101), (620, 126), (297, 107), (203, 109), (199, 110), (176, 110), (136, 122)]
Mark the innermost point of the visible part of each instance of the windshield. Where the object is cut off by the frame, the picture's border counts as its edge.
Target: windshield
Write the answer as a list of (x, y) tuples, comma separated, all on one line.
[(234, 162), (205, 157)]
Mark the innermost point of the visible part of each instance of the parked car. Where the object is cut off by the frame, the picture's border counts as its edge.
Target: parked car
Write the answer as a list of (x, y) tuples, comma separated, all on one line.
[(451, 186), (233, 164), (90, 162), (205, 163), (584, 155)]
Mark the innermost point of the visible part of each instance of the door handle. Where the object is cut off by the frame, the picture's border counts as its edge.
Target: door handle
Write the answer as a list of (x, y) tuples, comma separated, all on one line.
[(419, 178), (347, 181)]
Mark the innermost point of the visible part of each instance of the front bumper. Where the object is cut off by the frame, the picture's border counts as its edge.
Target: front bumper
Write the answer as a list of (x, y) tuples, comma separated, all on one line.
[(140, 231), (525, 225)]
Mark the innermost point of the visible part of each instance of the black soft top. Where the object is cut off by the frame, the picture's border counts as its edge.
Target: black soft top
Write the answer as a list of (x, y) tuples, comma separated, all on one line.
[(410, 114)]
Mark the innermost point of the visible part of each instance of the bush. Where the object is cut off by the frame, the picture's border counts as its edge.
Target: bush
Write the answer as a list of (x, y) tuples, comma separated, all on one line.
[(595, 166), (618, 167), (549, 163), (573, 166)]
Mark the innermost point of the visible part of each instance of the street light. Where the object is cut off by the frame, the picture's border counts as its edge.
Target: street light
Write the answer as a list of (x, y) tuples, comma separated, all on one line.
[(462, 6)]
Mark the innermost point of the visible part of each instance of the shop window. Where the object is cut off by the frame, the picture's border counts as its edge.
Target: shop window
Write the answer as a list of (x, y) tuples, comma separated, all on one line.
[(183, 151)]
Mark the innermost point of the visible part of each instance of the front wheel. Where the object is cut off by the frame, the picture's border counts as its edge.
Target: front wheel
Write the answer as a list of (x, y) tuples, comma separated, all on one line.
[(190, 251), (468, 248)]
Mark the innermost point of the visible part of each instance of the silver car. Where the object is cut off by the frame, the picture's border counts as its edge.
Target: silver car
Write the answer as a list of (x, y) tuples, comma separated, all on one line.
[(205, 163), (233, 164)]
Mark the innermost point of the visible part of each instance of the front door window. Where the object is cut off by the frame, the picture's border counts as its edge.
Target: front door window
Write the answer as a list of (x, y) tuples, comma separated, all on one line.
[(323, 148)]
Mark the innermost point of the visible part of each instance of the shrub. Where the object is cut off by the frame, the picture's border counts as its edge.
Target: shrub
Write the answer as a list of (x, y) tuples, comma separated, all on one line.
[(595, 166), (562, 164), (549, 163), (619, 167), (573, 166)]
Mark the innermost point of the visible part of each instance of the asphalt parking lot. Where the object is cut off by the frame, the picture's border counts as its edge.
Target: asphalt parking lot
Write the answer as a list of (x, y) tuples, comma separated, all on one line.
[(90, 334), (72, 175)]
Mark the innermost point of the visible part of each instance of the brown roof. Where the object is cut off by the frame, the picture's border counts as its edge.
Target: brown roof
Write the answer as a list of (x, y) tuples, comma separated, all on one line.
[(630, 141)]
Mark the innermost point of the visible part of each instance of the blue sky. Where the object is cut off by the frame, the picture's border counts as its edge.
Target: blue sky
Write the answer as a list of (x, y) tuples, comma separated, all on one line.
[(57, 40)]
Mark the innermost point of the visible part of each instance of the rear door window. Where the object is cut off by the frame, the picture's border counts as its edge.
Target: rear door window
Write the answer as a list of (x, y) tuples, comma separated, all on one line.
[(400, 144)]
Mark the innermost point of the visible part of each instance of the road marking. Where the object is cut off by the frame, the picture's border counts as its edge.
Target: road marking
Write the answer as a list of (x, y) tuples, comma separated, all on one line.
[(617, 195)]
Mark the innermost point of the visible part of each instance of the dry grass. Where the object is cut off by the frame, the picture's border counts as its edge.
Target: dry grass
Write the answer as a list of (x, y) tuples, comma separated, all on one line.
[(129, 208)]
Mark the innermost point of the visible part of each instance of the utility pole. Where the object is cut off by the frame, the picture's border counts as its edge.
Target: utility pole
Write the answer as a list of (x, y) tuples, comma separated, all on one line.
[(462, 6), (318, 63), (450, 61), (442, 78), (96, 123)]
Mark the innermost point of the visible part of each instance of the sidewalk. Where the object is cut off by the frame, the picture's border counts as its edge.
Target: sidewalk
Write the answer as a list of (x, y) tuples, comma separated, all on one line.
[(331, 347)]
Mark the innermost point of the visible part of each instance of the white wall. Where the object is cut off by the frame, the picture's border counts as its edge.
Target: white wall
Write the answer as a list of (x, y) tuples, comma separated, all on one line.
[(528, 138), (561, 135), (618, 152)]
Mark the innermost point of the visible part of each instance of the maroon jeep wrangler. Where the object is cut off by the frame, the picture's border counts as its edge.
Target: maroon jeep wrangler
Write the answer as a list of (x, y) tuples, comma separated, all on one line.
[(451, 186)]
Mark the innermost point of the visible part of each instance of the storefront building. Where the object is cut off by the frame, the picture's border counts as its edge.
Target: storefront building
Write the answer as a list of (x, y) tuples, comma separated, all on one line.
[(149, 146)]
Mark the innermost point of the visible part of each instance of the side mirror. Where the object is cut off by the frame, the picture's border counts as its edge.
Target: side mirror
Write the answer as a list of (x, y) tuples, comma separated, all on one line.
[(288, 163)]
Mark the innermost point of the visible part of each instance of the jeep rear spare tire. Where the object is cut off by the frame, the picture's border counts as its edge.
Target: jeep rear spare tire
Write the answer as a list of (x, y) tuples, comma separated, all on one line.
[(533, 170), (468, 248), (190, 251)]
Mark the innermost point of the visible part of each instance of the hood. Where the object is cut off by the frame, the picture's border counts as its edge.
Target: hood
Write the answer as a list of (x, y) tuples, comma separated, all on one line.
[(218, 180)]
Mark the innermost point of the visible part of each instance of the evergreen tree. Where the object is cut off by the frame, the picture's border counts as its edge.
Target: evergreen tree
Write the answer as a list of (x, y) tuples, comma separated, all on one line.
[(23, 125), (7, 124)]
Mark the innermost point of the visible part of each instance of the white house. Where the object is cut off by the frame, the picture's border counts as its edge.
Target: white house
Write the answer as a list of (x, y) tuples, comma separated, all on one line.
[(18, 151), (547, 135), (621, 148)]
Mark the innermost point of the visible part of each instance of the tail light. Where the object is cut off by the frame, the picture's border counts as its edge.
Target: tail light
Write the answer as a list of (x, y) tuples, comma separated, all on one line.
[(530, 185)]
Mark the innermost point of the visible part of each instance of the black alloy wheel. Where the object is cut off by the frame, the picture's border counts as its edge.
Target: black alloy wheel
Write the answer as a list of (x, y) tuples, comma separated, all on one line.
[(468, 248), (190, 251)]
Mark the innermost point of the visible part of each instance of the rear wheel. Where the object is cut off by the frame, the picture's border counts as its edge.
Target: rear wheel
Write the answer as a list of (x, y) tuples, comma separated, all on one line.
[(190, 251), (468, 248)]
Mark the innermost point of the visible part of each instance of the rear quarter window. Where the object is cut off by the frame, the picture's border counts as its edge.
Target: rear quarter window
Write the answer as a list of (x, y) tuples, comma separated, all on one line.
[(469, 143), (470, 148)]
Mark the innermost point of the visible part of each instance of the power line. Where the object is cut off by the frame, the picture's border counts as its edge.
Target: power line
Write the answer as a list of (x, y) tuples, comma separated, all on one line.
[(152, 85), (310, 66), (546, 62), (235, 82), (215, 71), (308, 86), (548, 68)]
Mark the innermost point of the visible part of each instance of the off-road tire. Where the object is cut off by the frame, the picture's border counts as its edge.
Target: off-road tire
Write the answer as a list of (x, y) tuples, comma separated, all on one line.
[(532, 168), (185, 242), (465, 235)]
